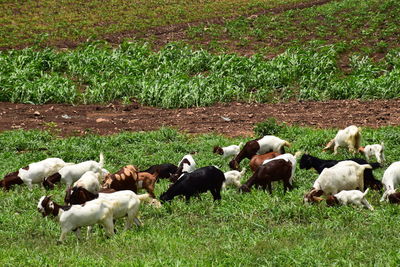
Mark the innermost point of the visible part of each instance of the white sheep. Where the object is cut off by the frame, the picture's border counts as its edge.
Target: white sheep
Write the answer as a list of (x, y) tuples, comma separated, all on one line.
[(38, 171), (233, 178), (227, 151), (391, 179), (349, 137), (347, 197), (90, 181), (73, 217), (70, 174), (345, 175), (376, 150)]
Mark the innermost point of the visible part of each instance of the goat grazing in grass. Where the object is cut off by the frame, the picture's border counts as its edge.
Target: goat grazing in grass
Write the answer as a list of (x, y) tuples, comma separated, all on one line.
[(11, 179), (276, 169), (164, 170), (345, 175), (349, 137), (308, 162), (227, 151), (186, 165), (257, 160), (233, 178), (98, 211), (374, 150), (199, 181), (390, 180), (38, 171), (128, 178), (268, 143), (347, 197), (71, 173)]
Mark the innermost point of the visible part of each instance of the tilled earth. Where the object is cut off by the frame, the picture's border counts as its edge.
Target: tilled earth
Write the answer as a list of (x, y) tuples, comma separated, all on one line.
[(231, 119)]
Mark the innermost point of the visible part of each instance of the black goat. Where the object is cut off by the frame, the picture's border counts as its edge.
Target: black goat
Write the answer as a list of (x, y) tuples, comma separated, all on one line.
[(163, 170), (308, 162), (199, 181)]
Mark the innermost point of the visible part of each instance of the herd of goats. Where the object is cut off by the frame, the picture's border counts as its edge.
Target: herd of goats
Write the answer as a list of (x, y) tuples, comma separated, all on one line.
[(95, 196)]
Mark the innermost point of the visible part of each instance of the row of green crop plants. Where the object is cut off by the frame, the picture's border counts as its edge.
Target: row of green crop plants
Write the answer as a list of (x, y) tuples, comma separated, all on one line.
[(176, 76)]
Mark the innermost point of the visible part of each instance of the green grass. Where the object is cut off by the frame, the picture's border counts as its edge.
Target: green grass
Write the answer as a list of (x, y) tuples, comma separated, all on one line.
[(176, 76), (243, 229), (24, 23), (370, 27)]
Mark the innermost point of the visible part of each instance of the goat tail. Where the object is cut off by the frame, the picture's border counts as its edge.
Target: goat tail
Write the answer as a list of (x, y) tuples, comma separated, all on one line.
[(375, 165), (243, 171), (240, 144), (286, 143), (366, 166), (101, 162), (366, 192), (383, 146)]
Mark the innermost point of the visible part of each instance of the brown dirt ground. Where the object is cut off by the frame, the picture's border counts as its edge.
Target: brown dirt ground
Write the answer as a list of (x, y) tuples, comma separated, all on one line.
[(67, 120)]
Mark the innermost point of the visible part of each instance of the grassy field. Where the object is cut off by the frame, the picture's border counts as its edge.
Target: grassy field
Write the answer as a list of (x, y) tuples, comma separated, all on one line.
[(243, 229), (368, 27), (63, 23)]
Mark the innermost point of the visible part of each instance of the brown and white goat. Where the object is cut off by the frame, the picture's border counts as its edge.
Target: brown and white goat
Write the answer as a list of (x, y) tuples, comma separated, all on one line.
[(257, 160), (268, 143), (128, 178), (275, 170), (227, 151), (11, 179)]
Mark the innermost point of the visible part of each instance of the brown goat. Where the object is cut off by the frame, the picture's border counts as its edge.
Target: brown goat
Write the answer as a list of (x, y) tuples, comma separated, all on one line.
[(128, 178), (257, 160), (147, 181), (124, 179), (275, 170)]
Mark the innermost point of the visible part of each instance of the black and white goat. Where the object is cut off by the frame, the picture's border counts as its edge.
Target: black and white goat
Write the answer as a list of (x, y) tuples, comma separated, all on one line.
[(308, 162)]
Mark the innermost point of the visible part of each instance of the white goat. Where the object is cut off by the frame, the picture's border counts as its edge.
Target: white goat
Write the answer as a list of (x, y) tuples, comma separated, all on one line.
[(345, 175), (126, 203), (233, 178), (228, 151), (271, 143), (73, 217), (38, 171), (89, 181), (391, 179), (70, 174), (349, 137), (346, 197), (374, 150)]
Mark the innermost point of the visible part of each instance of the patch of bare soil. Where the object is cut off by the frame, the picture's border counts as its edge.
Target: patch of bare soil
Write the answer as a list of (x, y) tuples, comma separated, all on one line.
[(231, 119)]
